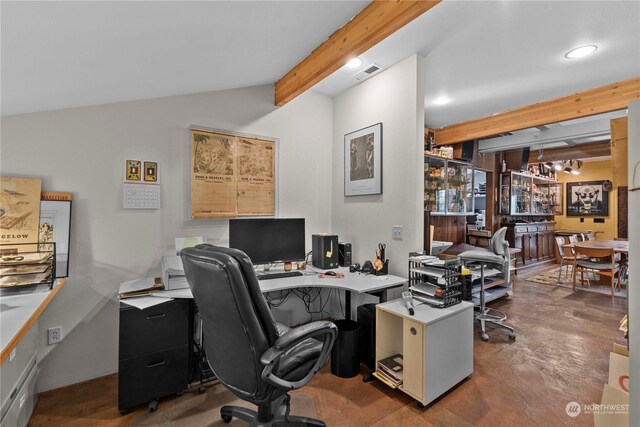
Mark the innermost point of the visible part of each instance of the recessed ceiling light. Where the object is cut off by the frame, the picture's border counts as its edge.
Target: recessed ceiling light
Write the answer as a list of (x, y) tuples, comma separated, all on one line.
[(353, 63), (441, 100), (558, 166), (581, 51)]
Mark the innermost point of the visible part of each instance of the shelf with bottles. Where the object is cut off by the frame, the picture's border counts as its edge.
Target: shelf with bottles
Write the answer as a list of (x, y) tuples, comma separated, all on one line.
[(448, 187)]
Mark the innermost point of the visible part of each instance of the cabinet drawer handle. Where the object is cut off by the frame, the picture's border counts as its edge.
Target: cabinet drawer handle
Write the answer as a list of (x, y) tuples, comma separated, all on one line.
[(154, 365), (156, 316), (413, 331)]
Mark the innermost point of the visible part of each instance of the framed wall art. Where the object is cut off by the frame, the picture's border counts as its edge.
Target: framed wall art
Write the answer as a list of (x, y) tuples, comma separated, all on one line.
[(55, 226), (363, 161), (587, 199)]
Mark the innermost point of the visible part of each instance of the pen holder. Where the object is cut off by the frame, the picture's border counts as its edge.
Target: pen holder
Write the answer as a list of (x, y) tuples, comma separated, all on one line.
[(384, 270)]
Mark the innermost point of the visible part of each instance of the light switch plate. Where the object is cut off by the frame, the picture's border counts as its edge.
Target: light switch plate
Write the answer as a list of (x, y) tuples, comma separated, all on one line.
[(398, 232)]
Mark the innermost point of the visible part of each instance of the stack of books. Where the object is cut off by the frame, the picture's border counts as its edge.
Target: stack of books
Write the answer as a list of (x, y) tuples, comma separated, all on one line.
[(389, 371)]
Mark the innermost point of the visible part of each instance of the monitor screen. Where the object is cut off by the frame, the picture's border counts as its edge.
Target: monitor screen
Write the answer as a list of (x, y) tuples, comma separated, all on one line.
[(269, 239)]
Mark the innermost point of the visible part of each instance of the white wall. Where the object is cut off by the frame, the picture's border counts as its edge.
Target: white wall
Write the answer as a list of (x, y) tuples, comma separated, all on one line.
[(394, 97), (634, 268), (83, 151)]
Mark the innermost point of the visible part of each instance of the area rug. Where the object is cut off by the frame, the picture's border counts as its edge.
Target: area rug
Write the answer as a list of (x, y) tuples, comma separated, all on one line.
[(194, 409), (550, 277)]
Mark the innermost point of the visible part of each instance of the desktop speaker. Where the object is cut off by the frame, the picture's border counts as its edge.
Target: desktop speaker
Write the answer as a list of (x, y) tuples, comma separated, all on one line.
[(344, 254), (324, 251)]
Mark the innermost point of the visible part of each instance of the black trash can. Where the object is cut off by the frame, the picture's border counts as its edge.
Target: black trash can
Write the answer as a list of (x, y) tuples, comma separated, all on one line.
[(345, 358)]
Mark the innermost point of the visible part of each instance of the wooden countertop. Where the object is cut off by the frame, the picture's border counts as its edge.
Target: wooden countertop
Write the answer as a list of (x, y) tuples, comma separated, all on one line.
[(19, 311)]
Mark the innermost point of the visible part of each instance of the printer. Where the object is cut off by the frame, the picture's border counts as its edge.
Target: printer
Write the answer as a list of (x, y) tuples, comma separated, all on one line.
[(173, 276)]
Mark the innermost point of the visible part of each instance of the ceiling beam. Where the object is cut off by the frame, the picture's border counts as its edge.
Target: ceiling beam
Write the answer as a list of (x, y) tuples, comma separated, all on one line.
[(603, 99), (575, 152), (373, 24)]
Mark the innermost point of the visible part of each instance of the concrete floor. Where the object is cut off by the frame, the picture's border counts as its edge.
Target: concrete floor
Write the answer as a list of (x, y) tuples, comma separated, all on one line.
[(561, 355)]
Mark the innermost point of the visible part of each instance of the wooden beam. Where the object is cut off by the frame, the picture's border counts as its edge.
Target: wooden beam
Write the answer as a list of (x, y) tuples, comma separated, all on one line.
[(576, 152), (603, 99), (373, 24)]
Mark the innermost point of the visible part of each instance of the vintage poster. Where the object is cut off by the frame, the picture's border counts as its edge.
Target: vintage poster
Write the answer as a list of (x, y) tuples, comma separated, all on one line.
[(19, 213), (213, 175), (256, 177)]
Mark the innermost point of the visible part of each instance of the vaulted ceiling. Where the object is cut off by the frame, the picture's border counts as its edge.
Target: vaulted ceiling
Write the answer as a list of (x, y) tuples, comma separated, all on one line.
[(486, 57)]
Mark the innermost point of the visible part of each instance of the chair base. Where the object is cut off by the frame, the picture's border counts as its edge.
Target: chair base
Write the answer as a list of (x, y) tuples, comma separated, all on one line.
[(485, 317), (273, 415)]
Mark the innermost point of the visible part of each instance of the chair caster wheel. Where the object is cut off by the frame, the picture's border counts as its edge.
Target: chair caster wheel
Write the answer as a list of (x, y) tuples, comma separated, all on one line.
[(153, 406), (484, 337), (124, 411), (512, 335), (367, 378), (226, 418), (201, 389)]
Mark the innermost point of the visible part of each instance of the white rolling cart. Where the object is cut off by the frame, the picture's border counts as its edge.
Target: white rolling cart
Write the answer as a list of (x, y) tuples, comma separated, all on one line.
[(436, 344)]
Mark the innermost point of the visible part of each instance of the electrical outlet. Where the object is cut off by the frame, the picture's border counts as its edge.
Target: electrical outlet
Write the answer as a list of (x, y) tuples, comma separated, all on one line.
[(398, 232), (54, 335)]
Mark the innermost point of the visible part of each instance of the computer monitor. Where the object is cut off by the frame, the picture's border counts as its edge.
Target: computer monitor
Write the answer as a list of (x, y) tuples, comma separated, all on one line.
[(268, 240)]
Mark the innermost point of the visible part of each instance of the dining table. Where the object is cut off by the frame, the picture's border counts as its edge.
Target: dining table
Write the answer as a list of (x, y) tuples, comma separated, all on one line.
[(620, 246)]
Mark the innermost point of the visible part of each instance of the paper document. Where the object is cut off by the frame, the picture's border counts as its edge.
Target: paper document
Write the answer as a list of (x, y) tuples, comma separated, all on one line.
[(140, 285), (145, 302)]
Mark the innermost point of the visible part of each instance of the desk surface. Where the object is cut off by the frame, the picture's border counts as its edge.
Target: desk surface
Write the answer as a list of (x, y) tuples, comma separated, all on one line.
[(19, 311), (616, 245), (354, 282)]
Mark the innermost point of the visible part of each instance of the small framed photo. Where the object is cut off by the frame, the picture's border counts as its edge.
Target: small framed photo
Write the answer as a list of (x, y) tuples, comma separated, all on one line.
[(587, 199), (151, 171), (133, 170), (363, 161), (55, 226)]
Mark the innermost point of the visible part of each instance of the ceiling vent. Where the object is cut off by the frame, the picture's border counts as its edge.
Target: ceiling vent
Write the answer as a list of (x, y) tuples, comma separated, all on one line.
[(369, 71)]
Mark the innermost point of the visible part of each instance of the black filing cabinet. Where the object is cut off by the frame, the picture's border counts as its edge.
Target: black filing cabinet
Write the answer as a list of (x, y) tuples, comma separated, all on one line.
[(155, 352)]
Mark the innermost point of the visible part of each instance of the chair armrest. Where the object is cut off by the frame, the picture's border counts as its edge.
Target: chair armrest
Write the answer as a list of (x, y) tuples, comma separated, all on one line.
[(270, 359)]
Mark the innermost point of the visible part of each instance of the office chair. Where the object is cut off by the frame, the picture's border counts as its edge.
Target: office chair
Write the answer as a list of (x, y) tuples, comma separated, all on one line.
[(497, 256), (256, 359)]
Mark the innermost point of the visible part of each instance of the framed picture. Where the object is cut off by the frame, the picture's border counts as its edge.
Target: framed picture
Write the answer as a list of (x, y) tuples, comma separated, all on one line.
[(556, 204), (587, 199), (363, 161), (55, 226)]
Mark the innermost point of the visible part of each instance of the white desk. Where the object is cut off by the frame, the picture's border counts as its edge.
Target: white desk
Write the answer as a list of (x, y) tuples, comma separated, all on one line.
[(351, 282)]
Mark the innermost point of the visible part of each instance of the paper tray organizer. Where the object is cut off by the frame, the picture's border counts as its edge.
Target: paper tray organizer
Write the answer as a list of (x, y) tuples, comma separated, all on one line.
[(426, 277), (27, 264)]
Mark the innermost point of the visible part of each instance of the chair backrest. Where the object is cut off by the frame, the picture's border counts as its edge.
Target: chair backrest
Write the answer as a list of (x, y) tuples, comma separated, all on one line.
[(573, 238), (237, 324), (500, 246), (559, 243), (592, 236), (497, 242), (593, 252)]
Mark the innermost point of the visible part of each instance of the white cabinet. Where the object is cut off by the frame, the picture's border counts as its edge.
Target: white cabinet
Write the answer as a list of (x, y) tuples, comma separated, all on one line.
[(436, 345), (17, 381)]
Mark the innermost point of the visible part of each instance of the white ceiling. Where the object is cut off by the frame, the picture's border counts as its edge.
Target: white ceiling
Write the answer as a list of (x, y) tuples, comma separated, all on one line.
[(487, 56), (492, 56), (68, 54)]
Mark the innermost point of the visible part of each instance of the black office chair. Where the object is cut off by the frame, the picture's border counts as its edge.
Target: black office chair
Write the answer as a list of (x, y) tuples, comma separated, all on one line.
[(255, 358), (497, 256)]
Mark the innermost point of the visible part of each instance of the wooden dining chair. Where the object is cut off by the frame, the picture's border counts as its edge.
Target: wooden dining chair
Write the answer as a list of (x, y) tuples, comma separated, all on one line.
[(600, 260), (567, 256)]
